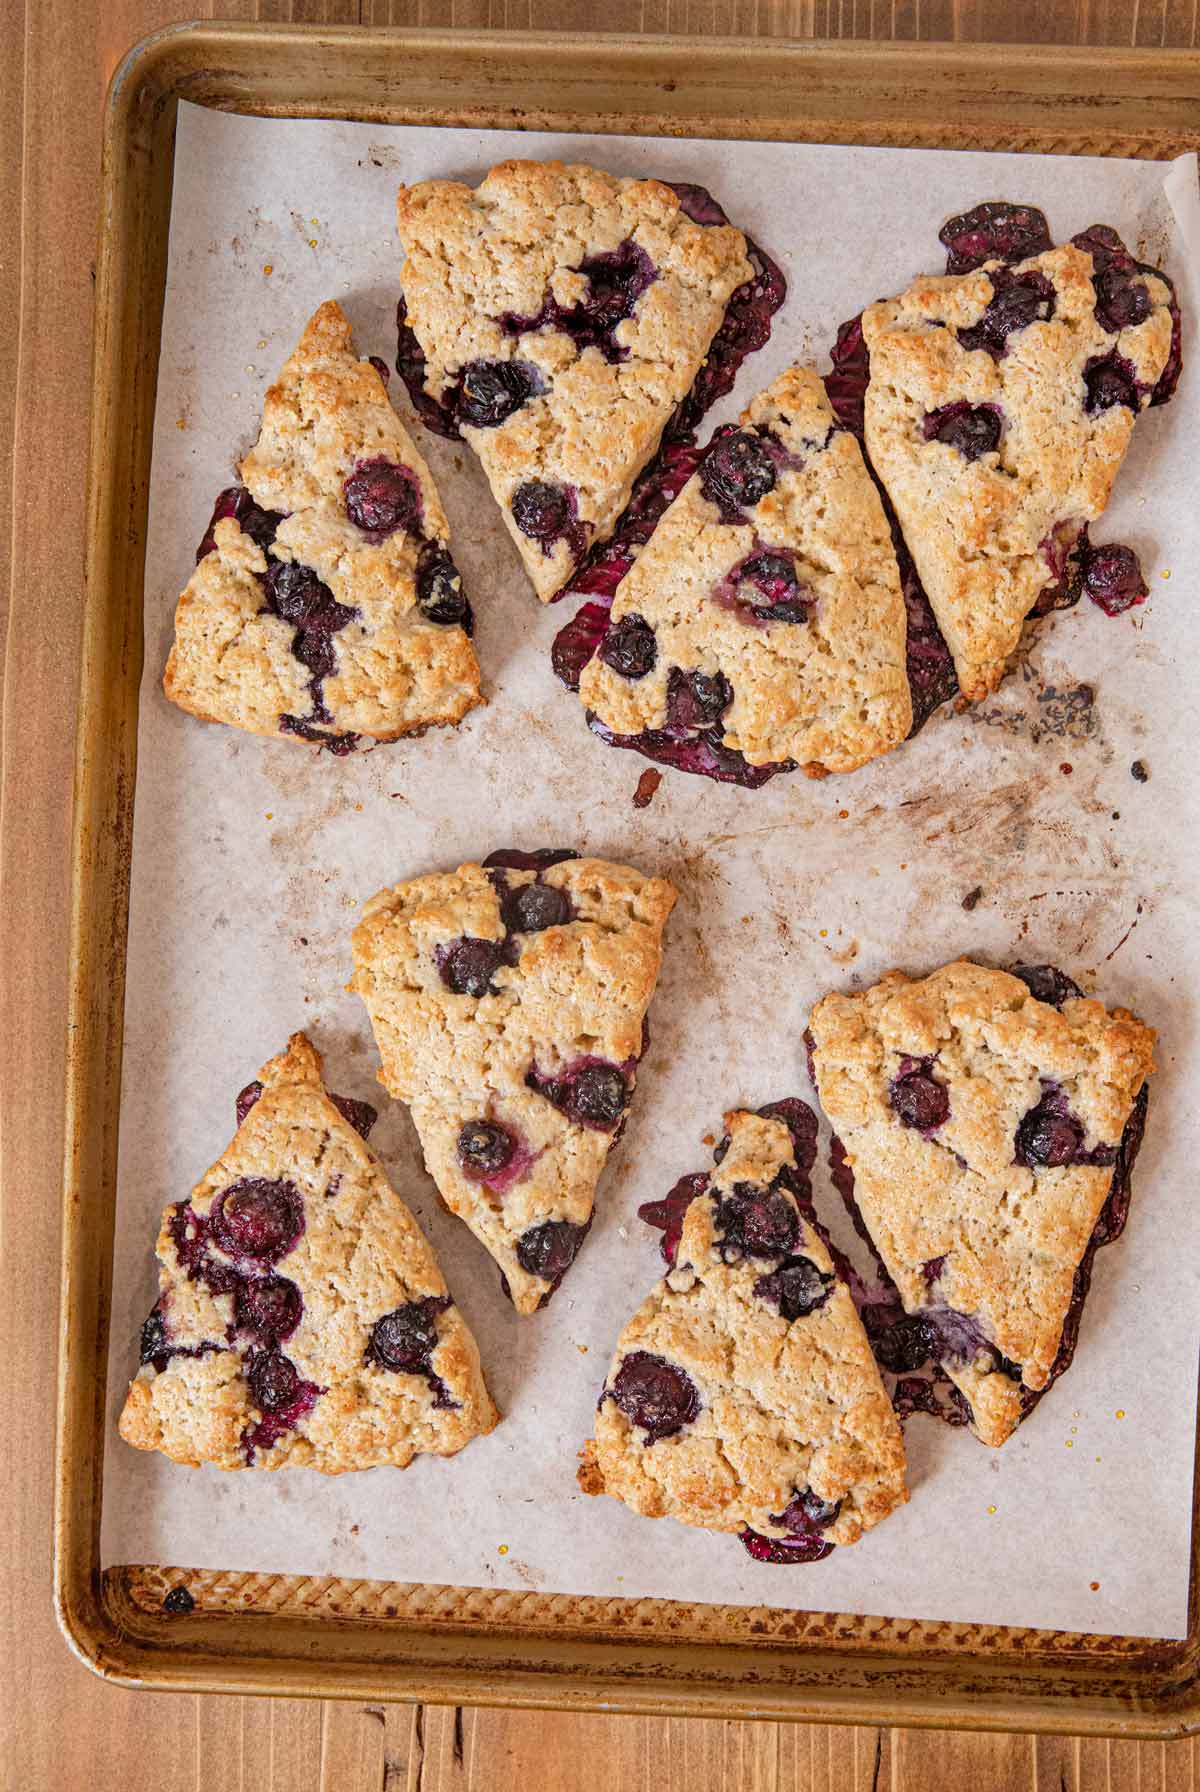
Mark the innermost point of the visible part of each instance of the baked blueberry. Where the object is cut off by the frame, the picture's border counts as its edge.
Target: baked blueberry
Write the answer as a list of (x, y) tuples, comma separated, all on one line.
[(918, 1099), (797, 1287), (269, 1306), (757, 1222), (654, 1394), (1109, 380), (484, 1149), (406, 1338), (737, 474), (531, 908), (1112, 578), (997, 230), (550, 1249), (440, 594), (973, 429), (1017, 301), (381, 497), (467, 966), (492, 391), (274, 1382), (541, 510), (630, 647), (258, 1219)]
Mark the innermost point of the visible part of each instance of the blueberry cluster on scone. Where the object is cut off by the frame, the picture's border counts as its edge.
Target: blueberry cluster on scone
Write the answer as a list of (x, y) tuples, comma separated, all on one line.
[(302, 1320), (986, 1123), (325, 605), (562, 320), (509, 1003), (743, 1395), (762, 625), (997, 403)]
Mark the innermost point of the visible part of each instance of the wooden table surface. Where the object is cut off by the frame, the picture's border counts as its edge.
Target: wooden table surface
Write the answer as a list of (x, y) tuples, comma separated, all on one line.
[(59, 1726)]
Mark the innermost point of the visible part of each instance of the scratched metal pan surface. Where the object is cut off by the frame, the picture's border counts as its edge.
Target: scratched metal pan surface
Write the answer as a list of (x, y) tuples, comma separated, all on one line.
[(376, 1640)]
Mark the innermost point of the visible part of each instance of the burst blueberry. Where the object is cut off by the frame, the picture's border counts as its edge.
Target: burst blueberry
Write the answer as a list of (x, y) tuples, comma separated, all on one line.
[(759, 1222)]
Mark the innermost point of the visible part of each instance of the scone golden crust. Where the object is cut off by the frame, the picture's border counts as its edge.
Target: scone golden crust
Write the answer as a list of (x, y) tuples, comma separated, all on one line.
[(508, 1003), (302, 1320), (767, 602), (999, 409), (325, 605), (743, 1395), (981, 1126), (563, 314)]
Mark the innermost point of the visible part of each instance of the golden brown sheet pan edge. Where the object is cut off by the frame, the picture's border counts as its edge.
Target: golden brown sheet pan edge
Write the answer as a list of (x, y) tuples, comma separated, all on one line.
[(386, 1642)]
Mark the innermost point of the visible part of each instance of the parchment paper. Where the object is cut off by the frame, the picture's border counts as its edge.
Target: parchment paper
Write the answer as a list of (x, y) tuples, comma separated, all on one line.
[(251, 858)]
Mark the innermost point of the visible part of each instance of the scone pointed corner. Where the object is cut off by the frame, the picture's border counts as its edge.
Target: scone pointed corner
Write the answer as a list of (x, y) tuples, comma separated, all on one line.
[(743, 1395), (986, 1125), (302, 1319), (509, 1002), (1000, 402), (567, 323), (749, 619), (325, 606)]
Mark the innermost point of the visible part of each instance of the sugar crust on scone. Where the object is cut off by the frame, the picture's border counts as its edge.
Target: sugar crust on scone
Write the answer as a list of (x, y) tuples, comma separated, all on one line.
[(989, 535), (1011, 1234), (360, 1256), (573, 994), (474, 256), (829, 692), (782, 1407), (396, 672)]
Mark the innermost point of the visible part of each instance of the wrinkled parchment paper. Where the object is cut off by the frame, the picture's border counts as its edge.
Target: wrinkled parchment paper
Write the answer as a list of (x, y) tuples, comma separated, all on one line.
[(251, 859)]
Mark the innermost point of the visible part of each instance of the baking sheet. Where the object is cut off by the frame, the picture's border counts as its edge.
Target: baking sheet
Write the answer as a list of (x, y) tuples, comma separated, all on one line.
[(251, 859)]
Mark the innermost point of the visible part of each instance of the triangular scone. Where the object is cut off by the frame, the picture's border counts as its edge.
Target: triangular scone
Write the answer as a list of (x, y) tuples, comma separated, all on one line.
[(325, 605), (556, 316), (509, 1003), (302, 1320), (981, 1127), (743, 1395), (1000, 405), (764, 615)]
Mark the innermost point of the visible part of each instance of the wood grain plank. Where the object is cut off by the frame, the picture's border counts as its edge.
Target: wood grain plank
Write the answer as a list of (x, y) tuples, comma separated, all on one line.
[(933, 1758)]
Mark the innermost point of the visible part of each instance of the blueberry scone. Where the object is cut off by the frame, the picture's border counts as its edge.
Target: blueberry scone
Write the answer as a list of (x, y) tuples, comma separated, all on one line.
[(761, 626), (325, 605), (509, 1006), (561, 320), (743, 1395), (1000, 403), (302, 1320), (986, 1127)]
